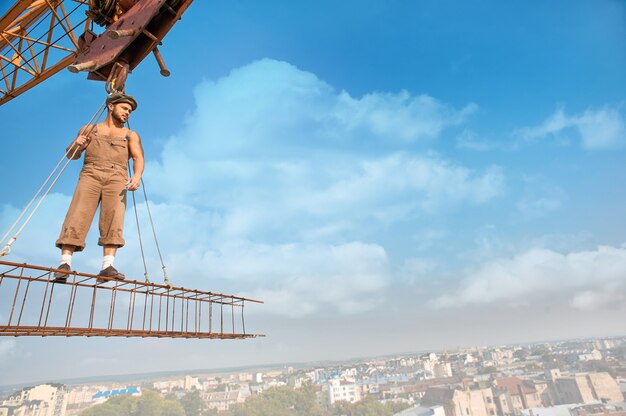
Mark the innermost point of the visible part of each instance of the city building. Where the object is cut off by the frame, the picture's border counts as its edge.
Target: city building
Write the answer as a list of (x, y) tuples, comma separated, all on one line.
[(587, 388), (343, 390)]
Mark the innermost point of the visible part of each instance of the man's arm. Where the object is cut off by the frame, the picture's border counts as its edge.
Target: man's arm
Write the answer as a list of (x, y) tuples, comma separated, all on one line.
[(75, 149), (136, 153)]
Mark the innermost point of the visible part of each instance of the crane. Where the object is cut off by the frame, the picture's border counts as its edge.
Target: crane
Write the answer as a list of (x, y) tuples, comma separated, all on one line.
[(38, 38)]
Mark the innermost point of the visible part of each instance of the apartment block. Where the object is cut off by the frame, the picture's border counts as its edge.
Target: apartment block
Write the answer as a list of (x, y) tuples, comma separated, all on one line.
[(588, 388)]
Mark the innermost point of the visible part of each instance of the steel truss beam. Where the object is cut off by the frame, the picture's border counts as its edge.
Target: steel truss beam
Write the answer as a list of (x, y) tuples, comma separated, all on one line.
[(38, 38), (32, 304)]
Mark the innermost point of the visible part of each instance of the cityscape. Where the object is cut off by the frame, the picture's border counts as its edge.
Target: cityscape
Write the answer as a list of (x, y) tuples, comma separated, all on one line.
[(564, 378)]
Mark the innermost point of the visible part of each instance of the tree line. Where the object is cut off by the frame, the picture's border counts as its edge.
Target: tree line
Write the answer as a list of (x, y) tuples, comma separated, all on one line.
[(275, 401)]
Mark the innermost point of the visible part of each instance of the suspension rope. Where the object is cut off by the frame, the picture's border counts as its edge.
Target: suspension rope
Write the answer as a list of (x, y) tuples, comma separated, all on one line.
[(143, 255), (166, 279), (156, 240), (7, 248)]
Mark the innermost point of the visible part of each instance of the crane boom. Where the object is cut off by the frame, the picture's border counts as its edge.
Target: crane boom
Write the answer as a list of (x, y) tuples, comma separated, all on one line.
[(38, 38)]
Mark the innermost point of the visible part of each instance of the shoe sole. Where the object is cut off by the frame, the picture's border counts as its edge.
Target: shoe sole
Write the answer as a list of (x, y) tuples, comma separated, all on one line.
[(100, 281), (60, 277)]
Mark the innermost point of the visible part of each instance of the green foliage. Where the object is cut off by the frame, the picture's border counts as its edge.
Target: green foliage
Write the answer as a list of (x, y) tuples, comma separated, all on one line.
[(281, 401), (149, 403), (192, 403), (368, 407), (276, 401)]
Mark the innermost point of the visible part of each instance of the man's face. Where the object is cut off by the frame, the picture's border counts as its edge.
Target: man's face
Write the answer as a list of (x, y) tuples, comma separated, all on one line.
[(121, 112)]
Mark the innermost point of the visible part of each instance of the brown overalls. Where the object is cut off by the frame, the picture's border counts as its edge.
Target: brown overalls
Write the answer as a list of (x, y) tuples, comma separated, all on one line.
[(102, 180)]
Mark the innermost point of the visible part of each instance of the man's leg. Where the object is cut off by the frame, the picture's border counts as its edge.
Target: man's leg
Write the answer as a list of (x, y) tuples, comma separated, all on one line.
[(108, 257), (67, 250), (111, 222), (66, 263)]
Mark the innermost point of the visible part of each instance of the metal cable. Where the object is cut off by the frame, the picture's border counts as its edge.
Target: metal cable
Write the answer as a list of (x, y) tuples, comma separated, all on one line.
[(102, 11), (7, 248), (143, 255), (166, 279), (156, 240)]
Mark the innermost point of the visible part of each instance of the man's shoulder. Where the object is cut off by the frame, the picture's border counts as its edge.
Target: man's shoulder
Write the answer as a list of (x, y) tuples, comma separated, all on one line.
[(132, 134)]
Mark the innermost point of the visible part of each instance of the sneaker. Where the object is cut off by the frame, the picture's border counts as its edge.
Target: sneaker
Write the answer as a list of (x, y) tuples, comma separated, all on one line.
[(110, 272), (63, 271)]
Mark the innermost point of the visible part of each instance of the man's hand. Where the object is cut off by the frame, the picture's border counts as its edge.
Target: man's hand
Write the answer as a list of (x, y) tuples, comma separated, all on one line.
[(133, 183), (80, 143), (81, 140)]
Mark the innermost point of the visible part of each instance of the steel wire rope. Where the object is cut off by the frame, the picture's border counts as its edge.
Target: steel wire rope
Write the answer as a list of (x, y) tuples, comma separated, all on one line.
[(102, 11), (166, 279), (44, 34), (7, 248), (143, 255)]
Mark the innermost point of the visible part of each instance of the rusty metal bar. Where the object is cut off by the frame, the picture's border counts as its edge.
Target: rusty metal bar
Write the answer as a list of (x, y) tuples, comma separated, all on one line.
[(16, 292), (19, 319), (243, 321), (26, 291), (187, 317), (45, 323), (70, 310), (93, 306), (132, 316), (167, 311), (43, 303), (159, 58)]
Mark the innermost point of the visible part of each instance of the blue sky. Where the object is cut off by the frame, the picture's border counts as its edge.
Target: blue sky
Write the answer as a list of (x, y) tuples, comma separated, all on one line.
[(388, 176)]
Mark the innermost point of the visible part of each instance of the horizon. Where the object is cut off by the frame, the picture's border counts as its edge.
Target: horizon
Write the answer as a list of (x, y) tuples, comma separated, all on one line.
[(140, 377)]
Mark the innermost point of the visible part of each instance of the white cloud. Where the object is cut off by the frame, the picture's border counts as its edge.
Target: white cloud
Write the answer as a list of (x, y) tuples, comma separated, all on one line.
[(590, 279), (469, 140), (277, 186), (398, 116), (591, 300), (265, 153), (413, 270), (294, 279), (8, 351), (426, 181), (597, 128), (532, 208)]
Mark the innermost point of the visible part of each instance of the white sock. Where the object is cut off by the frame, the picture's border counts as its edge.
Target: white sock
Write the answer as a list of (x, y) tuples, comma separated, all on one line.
[(67, 259), (107, 261)]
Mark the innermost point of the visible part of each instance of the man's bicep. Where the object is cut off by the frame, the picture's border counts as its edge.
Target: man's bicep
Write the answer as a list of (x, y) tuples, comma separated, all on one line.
[(83, 130), (134, 143)]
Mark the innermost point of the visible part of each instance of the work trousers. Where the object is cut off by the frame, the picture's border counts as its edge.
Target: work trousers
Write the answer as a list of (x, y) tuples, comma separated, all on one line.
[(99, 183)]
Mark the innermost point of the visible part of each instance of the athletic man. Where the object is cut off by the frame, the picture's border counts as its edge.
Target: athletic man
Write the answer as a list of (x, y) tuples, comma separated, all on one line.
[(103, 181)]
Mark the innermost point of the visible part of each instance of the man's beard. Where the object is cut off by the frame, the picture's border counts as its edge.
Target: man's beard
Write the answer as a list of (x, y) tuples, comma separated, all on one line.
[(118, 119)]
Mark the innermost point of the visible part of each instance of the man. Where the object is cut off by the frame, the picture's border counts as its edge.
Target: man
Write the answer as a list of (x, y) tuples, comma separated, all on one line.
[(103, 181)]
